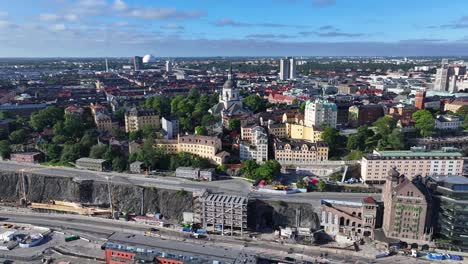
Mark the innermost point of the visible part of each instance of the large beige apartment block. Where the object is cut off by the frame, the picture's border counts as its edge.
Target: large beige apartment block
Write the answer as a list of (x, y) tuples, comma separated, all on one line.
[(300, 152), (203, 146), (136, 119), (417, 161)]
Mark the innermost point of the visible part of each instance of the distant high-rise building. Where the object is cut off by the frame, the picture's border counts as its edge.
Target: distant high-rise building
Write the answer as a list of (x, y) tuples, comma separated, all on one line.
[(107, 66), (292, 68), (137, 63), (168, 66), (320, 111), (287, 68), (442, 79)]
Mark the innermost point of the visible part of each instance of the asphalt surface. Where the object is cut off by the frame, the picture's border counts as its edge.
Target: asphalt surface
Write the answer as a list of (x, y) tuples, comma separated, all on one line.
[(100, 229), (230, 186)]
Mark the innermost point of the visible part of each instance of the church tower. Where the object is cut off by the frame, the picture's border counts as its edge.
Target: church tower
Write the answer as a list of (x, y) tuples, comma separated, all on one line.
[(230, 94)]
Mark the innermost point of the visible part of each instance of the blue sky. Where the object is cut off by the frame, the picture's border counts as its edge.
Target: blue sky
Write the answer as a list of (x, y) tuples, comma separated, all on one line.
[(170, 28)]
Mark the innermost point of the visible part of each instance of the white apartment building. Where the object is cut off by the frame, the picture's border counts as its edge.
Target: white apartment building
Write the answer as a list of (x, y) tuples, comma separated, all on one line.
[(417, 161), (256, 148), (448, 122), (320, 111)]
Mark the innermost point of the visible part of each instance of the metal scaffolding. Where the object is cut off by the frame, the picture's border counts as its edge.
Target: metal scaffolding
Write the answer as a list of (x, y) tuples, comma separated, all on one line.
[(224, 211)]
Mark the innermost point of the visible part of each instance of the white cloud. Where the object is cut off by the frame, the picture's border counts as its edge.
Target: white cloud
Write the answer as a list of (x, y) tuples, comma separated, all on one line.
[(172, 26), (92, 3), (58, 27), (5, 24), (71, 17), (49, 17), (3, 14), (164, 13), (120, 5)]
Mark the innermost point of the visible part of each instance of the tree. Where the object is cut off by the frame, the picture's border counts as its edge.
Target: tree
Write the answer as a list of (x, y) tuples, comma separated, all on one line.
[(71, 152), (86, 142), (330, 135), (46, 118), (358, 140), (463, 111), (73, 127), (201, 131), (255, 103), (354, 155), (234, 124), (248, 168), (4, 115), (120, 114), (385, 125), (321, 185), (162, 105), (425, 122), (54, 151), (208, 120), (98, 151), (119, 164), (302, 107), (268, 171), (18, 136), (135, 135), (395, 140), (5, 149), (193, 93)]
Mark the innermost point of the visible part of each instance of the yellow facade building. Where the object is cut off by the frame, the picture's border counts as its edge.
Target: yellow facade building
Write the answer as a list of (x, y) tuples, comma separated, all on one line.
[(203, 146)]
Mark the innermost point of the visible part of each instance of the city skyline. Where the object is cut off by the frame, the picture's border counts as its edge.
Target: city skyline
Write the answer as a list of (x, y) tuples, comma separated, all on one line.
[(95, 28)]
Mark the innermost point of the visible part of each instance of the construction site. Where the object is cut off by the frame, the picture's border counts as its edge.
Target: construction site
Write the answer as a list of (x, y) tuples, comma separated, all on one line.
[(222, 212), (70, 207)]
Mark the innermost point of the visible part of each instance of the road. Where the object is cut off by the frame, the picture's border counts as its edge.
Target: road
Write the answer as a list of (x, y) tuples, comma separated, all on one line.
[(230, 186), (100, 229), (97, 229)]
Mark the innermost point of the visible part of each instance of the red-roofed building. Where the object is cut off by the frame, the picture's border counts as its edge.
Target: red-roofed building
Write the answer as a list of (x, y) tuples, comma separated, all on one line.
[(74, 110), (276, 98)]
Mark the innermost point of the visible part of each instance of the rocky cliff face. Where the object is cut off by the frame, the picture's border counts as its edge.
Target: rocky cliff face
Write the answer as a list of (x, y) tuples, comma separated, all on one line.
[(127, 198), (265, 215)]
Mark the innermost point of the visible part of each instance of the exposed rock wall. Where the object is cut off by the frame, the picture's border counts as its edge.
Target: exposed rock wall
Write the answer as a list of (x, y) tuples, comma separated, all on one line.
[(265, 215), (127, 198)]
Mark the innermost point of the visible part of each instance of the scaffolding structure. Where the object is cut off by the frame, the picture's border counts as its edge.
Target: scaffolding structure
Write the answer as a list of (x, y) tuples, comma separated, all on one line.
[(221, 211)]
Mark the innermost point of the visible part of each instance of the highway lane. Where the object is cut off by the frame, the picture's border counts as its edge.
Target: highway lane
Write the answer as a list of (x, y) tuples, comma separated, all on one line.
[(231, 186)]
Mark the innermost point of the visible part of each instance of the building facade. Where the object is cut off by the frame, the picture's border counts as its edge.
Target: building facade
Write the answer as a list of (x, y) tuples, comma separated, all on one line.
[(170, 126), (257, 147), (448, 122), (417, 161), (451, 203), (287, 69), (420, 99), (364, 114), (299, 152), (203, 146), (137, 119), (320, 112), (406, 209), (351, 219)]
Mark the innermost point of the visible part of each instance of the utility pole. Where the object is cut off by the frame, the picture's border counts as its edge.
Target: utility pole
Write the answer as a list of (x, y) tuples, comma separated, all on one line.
[(110, 196)]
